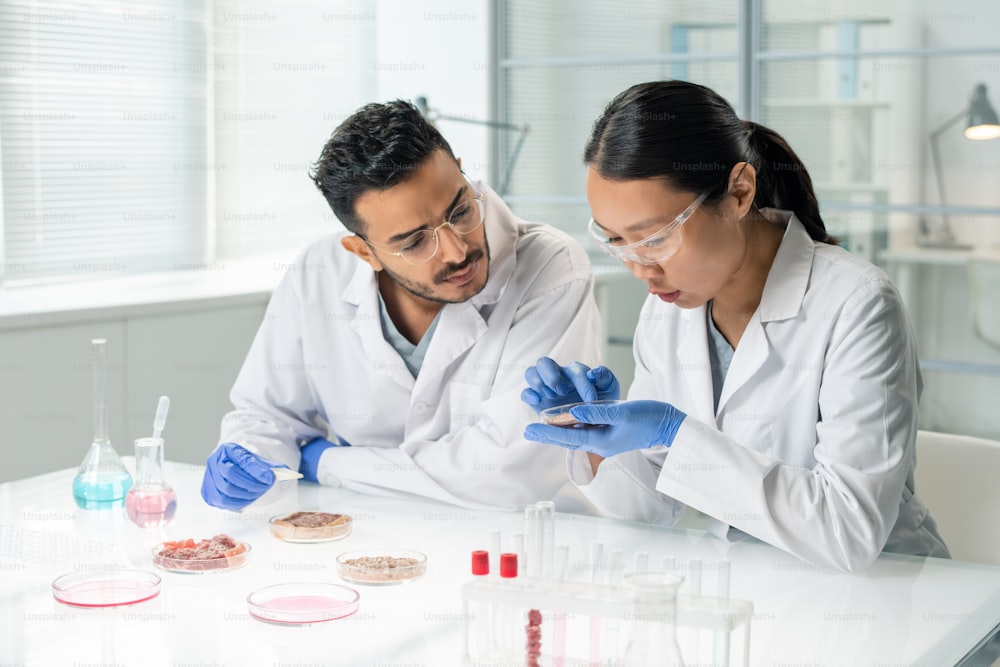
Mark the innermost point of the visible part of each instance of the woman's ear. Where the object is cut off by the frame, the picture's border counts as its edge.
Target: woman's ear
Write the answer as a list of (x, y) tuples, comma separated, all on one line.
[(743, 186), (357, 246)]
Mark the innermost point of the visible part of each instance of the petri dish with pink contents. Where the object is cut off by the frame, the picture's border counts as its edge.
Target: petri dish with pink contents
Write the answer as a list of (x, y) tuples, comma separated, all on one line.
[(302, 603), (100, 589)]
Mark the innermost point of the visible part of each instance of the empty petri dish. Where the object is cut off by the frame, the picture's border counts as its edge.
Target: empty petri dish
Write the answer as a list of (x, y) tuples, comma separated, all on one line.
[(114, 588), (311, 526), (381, 567), (560, 415), (217, 554), (302, 603)]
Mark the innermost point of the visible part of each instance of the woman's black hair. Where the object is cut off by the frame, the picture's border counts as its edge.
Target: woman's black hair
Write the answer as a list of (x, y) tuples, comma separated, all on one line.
[(690, 136)]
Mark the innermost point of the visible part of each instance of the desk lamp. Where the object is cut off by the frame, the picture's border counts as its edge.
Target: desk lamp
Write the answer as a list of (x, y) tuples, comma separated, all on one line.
[(981, 124), (433, 115)]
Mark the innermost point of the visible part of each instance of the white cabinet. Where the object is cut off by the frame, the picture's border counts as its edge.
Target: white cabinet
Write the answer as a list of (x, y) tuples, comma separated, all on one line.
[(191, 354)]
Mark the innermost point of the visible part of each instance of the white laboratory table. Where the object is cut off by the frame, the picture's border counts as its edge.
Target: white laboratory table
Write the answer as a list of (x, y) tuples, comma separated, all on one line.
[(901, 611)]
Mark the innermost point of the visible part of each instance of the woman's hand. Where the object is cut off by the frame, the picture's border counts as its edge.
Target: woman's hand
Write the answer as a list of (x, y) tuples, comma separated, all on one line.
[(609, 429), (550, 384)]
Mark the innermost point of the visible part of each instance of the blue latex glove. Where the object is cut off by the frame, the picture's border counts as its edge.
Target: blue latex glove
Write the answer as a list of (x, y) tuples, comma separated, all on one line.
[(627, 426), (235, 477), (311, 452), (550, 384)]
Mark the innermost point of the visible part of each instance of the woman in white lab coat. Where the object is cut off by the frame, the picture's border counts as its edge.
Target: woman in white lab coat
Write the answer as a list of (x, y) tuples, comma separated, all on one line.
[(777, 382)]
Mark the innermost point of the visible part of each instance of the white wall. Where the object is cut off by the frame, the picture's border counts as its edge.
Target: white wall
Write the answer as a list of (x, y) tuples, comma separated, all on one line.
[(440, 49)]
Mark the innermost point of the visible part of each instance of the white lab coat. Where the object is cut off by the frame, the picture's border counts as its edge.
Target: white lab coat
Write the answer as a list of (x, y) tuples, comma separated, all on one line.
[(320, 367), (812, 446)]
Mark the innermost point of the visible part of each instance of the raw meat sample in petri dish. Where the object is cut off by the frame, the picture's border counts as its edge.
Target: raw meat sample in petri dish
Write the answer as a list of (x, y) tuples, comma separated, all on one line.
[(218, 554), (302, 603), (381, 567), (560, 415), (115, 588), (311, 526)]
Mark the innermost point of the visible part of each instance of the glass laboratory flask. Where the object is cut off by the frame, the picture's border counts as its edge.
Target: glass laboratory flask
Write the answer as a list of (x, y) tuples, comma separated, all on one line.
[(151, 502), (102, 479), (653, 620)]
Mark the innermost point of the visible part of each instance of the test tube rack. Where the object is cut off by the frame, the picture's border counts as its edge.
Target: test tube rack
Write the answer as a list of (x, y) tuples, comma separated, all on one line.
[(695, 615)]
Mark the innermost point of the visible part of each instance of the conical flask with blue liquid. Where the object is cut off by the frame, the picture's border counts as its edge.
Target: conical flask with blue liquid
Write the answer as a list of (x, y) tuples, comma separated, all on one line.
[(102, 481)]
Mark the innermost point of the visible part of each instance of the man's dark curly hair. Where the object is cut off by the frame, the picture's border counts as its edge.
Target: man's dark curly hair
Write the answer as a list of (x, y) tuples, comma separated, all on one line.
[(377, 147)]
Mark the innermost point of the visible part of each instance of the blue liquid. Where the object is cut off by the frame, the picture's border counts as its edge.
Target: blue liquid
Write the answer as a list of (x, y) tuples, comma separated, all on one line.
[(101, 491)]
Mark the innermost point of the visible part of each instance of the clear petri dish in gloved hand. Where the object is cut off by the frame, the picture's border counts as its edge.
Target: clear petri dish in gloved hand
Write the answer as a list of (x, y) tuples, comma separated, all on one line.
[(560, 415)]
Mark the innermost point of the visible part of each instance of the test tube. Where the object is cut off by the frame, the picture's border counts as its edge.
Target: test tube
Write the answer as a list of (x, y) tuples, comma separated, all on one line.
[(721, 644), (596, 627), (694, 576), (517, 547), (494, 547), (559, 621), (532, 543), (506, 617), (547, 517), (616, 567), (482, 613), (641, 561), (595, 564), (722, 581)]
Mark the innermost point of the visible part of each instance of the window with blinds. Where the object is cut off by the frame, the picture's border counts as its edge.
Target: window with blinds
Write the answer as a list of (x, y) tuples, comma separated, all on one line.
[(100, 115), (169, 134)]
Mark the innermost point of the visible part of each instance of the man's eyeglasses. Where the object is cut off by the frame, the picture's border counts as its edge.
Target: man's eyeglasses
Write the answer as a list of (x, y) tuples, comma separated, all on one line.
[(654, 248), (419, 247)]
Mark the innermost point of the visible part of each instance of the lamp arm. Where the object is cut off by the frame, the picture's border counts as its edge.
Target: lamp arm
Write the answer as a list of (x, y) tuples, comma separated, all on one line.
[(936, 159), (508, 172), (522, 131)]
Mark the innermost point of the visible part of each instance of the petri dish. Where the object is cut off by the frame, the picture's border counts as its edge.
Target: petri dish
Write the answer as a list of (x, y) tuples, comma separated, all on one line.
[(381, 567), (217, 554), (307, 526), (302, 603), (106, 589), (560, 415)]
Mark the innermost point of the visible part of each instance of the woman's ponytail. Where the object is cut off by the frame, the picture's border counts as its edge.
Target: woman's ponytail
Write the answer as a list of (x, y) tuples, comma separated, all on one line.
[(782, 180)]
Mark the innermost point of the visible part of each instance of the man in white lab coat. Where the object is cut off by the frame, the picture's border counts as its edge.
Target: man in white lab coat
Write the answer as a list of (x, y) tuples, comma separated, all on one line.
[(391, 357)]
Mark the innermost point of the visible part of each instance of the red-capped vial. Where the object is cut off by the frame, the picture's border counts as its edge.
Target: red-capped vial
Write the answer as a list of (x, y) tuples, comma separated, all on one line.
[(508, 566), (480, 563)]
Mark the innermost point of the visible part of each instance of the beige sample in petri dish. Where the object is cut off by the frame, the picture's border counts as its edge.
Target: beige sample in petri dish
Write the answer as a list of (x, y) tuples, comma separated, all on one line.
[(309, 526), (379, 567)]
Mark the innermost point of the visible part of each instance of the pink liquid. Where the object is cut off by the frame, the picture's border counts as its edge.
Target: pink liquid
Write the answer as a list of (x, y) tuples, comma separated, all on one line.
[(303, 609), (149, 508), (107, 593)]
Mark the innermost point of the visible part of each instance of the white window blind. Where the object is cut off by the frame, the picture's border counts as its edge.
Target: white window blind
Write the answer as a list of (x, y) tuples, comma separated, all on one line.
[(102, 127), (285, 76)]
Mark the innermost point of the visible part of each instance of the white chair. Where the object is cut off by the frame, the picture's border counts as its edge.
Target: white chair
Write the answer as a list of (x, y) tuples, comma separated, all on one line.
[(958, 478), (984, 286)]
